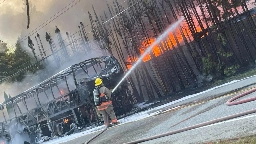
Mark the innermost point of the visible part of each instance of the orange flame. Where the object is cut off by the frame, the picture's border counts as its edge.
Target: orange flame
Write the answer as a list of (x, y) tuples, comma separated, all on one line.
[(65, 120), (175, 38), (156, 50)]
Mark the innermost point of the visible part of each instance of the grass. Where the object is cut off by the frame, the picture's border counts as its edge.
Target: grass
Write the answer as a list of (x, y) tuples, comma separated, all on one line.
[(238, 76)]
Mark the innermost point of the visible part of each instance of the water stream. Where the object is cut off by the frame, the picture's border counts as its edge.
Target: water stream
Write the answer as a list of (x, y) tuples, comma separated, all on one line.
[(171, 28)]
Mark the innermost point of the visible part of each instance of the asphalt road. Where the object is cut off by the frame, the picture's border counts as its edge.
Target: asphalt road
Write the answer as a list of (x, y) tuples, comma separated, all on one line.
[(187, 116)]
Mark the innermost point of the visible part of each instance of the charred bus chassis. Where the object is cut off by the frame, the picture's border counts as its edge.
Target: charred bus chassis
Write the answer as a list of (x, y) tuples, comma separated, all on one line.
[(63, 103)]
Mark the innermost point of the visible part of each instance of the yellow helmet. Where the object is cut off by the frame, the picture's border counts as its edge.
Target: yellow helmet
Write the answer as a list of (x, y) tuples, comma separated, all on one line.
[(98, 81)]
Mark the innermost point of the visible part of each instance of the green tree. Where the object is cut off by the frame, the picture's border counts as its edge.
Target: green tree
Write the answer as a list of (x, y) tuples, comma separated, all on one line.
[(220, 62), (17, 64), (3, 59)]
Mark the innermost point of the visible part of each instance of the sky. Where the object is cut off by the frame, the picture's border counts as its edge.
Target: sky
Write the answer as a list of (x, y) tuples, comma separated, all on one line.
[(13, 16)]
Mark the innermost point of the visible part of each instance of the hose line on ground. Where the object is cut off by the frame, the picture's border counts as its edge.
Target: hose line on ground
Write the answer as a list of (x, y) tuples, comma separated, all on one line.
[(232, 102), (194, 126), (96, 136), (229, 103)]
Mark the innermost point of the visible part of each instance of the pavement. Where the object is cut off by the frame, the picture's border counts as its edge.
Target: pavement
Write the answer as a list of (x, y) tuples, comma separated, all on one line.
[(185, 112)]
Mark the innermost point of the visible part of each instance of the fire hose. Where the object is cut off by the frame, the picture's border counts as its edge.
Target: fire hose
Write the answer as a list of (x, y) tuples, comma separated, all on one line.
[(96, 136), (230, 102)]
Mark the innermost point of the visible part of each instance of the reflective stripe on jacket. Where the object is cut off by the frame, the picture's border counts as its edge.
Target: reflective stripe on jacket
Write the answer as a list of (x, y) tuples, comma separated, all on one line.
[(104, 105), (104, 92)]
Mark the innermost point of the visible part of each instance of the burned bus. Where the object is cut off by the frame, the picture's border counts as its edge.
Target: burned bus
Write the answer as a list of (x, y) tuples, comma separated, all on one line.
[(63, 104)]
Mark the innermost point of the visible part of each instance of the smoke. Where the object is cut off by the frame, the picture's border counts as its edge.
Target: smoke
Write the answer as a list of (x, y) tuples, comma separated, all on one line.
[(3, 141), (13, 26), (17, 134), (50, 69), (15, 128), (80, 56), (66, 14)]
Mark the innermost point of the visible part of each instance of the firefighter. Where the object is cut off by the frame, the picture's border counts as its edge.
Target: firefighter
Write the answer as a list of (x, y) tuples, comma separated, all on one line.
[(103, 102)]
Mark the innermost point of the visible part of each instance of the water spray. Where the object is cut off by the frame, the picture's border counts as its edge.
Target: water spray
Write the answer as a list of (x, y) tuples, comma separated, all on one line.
[(158, 40)]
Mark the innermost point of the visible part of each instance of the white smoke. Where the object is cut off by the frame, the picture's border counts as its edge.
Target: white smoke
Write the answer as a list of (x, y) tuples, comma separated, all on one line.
[(16, 133), (16, 130), (14, 17), (31, 80), (13, 25), (3, 141)]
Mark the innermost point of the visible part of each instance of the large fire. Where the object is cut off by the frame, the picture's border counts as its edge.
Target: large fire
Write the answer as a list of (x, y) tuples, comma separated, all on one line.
[(175, 38), (169, 43)]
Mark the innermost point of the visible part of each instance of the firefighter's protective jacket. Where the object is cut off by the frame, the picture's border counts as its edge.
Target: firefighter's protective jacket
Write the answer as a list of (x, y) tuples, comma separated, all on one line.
[(103, 92)]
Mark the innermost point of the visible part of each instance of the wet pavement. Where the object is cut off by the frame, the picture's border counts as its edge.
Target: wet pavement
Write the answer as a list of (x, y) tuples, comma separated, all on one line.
[(189, 111)]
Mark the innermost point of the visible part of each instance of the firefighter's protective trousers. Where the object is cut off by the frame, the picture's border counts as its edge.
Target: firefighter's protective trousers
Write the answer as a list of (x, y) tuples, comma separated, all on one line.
[(108, 114), (106, 108)]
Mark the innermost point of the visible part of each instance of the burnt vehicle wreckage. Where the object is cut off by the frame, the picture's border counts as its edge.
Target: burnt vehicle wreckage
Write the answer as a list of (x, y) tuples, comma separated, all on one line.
[(63, 104)]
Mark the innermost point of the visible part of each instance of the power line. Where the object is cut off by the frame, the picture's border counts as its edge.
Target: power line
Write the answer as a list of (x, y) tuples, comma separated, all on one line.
[(26, 68), (28, 17), (52, 18), (106, 20), (55, 16), (87, 24), (92, 29)]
